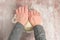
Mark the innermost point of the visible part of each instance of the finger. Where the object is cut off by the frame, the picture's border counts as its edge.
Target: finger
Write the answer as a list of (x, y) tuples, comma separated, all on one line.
[(19, 10), (17, 13), (34, 12), (29, 17), (22, 9), (26, 9), (31, 12)]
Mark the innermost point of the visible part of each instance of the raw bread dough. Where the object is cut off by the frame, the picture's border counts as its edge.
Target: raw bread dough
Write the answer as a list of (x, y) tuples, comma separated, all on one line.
[(28, 26)]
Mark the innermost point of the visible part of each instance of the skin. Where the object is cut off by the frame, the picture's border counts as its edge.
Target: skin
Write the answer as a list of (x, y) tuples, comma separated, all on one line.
[(35, 18), (23, 15)]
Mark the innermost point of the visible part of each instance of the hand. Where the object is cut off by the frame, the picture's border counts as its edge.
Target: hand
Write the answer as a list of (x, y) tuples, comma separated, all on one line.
[(35, 18), (22, 15)]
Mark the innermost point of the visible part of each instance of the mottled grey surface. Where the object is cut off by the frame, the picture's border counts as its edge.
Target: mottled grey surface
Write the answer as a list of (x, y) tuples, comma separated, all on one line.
[(51, 19)]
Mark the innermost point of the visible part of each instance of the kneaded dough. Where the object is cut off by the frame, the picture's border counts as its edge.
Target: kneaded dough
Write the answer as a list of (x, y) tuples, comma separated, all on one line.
[(28, 26)]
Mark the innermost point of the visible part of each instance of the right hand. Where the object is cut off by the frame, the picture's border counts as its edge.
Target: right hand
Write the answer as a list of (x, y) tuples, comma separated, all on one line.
[(35, 18)]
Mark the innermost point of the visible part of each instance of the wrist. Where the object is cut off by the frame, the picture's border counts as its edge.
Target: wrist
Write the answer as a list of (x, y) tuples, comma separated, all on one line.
[(37, 24), (22, 23)]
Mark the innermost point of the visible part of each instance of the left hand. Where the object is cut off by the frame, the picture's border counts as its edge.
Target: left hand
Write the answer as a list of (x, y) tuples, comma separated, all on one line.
[(22, 15)]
